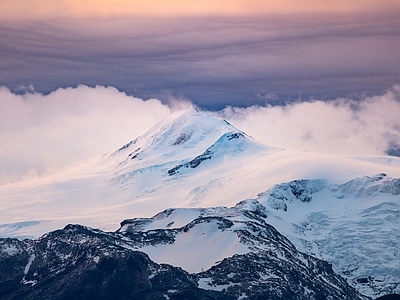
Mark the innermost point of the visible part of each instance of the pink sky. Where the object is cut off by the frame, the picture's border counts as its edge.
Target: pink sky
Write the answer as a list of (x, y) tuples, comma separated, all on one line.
[(48, 9)]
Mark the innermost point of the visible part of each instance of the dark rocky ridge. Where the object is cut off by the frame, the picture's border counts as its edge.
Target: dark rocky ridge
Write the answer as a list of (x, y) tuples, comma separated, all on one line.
[(78, 262)]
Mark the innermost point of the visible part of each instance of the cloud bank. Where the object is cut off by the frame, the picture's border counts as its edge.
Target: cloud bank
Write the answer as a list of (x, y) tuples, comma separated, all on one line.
[(370, 126), (214, 61), (41, 134)]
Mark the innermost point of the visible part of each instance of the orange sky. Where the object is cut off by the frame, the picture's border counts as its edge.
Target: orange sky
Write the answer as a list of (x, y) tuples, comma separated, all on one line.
[(11, 10)]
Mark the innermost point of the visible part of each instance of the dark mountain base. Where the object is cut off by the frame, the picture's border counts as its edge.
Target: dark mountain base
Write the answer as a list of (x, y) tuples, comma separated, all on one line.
[(82, 263)]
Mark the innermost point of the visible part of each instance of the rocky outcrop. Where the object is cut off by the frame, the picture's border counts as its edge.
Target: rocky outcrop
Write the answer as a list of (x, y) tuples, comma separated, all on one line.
[(78, 262)]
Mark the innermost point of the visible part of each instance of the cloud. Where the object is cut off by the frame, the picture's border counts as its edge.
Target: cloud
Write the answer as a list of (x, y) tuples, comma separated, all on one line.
[(42, 133), (370, 126), (212, 61)]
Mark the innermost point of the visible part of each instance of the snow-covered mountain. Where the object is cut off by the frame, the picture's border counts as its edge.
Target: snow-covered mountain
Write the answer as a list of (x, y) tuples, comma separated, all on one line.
[(191, 159), (344, 210)]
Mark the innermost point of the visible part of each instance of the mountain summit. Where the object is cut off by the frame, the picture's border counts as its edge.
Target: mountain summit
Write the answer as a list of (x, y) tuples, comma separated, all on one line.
[(185, 140)]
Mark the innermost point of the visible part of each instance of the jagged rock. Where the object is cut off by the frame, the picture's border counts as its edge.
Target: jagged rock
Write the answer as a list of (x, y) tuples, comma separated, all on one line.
[(79, 262)]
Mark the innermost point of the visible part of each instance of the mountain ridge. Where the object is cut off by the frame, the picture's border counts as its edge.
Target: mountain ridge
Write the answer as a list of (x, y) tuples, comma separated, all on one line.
[(86, 263)]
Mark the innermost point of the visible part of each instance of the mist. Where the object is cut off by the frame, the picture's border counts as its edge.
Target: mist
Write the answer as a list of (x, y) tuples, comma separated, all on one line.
[(370, 126), (41, 134)]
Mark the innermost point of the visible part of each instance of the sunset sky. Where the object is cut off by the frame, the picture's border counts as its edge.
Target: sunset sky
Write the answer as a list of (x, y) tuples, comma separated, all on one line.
[(291, 58), (215, 53), (73, 9)]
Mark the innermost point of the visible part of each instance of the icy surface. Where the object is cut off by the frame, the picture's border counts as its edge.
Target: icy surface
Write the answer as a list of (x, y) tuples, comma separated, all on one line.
[(9, 249), (354, 226), (232, 252)]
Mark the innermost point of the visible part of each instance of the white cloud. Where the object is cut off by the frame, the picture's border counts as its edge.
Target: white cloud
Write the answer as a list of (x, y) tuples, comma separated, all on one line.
[(39, 133), (343, 126)]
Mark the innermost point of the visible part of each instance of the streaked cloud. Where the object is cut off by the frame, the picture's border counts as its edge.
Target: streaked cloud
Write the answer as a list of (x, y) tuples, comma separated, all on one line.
[(212, 61), (292, 65)]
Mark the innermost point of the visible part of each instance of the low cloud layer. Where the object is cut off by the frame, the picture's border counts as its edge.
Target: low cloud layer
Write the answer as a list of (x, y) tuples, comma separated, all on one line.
[(370, 126), (40, 134)]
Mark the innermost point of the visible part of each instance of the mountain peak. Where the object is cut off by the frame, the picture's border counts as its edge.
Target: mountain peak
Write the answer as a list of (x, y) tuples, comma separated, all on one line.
[(181, 138), (183, 127), (188, 127)]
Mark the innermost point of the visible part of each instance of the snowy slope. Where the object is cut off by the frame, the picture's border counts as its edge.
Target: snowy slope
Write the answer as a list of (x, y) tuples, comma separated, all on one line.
[(354, 226), (202, 236)]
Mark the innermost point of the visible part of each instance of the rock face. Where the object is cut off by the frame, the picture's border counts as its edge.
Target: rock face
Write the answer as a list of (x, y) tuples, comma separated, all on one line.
[(82, 263), (267, 275), (78, 262), (282, 194)]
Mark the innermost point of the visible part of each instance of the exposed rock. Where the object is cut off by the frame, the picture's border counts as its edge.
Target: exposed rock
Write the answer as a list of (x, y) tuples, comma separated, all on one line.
[(79, 262)]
